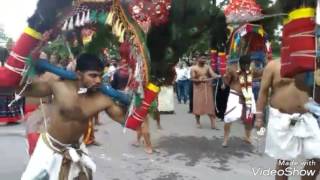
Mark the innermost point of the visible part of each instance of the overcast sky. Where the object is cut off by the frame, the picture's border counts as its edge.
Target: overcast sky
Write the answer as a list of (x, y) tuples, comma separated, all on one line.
[(14, 15)]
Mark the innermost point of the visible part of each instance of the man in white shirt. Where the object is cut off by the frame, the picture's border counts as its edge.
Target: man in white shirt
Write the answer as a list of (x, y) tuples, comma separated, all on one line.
[(112, 69), (182, 83)]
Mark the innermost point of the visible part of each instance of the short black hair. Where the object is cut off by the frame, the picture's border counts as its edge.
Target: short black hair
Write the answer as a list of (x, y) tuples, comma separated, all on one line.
[(89, 62), (245, 59)]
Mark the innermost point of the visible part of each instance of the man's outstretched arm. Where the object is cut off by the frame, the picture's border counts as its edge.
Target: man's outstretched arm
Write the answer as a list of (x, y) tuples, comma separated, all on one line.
[(266, 83), (117, 113)]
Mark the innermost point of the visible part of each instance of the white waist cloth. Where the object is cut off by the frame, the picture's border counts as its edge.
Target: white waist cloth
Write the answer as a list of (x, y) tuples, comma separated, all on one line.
[(166, 99), (234, 107), (286, 142), (46, 163)]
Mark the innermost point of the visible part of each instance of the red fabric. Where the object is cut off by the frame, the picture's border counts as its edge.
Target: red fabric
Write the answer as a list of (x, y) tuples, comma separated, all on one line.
[(141, 112), (256, 41), (249, 120), (298, 26), (32, 141), (298, 47), (223, 63), (30, 108), (302, 63), (23, 47), (10, 119), (8, 78), (214, 60), (285, 62), (124, 50), (301, 43)]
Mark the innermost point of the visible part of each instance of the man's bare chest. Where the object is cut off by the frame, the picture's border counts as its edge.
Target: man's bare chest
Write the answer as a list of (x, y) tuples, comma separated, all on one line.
[(201, 72), (75, 107)]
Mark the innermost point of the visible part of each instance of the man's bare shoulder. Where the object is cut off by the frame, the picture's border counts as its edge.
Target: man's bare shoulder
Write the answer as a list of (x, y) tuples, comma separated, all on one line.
[(58, 85), (194, 67), (47, 76), (273, 63), (272, 66), (99, 101)]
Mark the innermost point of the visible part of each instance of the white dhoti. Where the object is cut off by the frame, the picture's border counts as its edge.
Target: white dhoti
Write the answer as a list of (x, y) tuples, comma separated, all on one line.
[(46, 161), (234, 107), (287, 140)]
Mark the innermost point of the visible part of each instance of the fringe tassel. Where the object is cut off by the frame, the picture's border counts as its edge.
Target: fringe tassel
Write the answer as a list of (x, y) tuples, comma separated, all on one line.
[(122, 35), (87, 20), (71, 26), (65, 25), (110, 18), (83, 19), (78, 23)]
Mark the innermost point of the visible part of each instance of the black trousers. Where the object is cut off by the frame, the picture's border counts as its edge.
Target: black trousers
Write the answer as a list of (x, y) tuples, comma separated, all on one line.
[(221, 99), (190, 96)]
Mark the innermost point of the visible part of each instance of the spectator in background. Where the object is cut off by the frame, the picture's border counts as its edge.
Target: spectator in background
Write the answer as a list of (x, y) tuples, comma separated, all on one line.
[(106, 76), (194, 63), (4, 53), (202, 77), (55, 59), (112, 69), (72, 64), (182, 83)]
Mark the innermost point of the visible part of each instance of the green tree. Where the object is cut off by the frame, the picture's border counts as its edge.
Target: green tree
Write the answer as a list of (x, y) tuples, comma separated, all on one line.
[(264, 3), (193, 25), (58, 47)]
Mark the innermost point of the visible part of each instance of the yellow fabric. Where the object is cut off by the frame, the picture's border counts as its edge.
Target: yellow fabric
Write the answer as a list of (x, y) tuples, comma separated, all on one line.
[(285, 21), (33, 33), (302, 13), (261, 32), (153, 87), (88, 136)]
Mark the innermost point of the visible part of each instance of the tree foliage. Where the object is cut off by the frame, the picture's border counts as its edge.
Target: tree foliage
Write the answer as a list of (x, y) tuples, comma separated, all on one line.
[(193, 25), (57, 47)]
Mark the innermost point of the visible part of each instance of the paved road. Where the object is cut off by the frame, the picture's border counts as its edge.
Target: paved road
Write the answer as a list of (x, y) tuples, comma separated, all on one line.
[(183, 152)]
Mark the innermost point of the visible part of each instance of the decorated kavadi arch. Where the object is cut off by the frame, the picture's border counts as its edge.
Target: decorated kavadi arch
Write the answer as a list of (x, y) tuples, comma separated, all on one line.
[(248, 39), (151, 36)]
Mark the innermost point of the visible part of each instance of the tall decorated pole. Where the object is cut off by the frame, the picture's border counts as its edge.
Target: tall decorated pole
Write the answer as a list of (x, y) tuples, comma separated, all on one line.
[(139, 113), (130, 22)]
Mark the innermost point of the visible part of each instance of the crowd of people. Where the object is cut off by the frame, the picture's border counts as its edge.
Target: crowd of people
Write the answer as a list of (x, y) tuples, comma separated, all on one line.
[(293, 128)]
